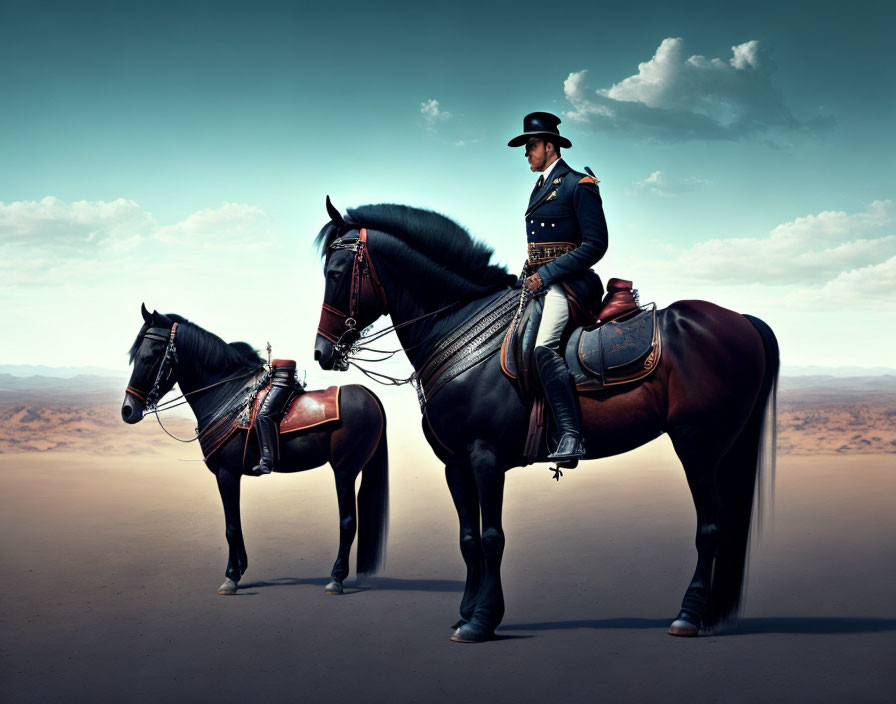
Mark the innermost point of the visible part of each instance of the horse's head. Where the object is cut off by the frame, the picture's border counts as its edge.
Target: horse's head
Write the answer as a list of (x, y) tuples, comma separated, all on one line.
[(154, 360), (353, 296)]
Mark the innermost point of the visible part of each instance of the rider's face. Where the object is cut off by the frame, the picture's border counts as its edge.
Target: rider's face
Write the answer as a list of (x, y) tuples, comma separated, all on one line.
[(539, 153)]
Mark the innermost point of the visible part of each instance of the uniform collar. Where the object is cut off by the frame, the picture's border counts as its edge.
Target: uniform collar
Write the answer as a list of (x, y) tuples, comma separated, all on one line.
[(547, 172), (557, 170)]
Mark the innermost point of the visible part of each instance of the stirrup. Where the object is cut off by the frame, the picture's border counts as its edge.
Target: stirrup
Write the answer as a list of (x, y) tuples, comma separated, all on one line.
[(262, 468), (573, 452)]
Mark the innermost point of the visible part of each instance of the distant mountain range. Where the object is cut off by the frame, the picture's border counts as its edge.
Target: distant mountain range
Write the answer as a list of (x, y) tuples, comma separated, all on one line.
[(28, 370), (787, 370), (61, 386), (87, 388), (64, 372), (830, 389)]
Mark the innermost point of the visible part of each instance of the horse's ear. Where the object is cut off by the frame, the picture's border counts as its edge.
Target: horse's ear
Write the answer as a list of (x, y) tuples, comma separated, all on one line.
[(147, 316), (334, 214)]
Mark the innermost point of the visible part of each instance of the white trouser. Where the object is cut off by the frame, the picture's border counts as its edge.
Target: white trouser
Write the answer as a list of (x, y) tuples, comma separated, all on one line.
[(553, 318)]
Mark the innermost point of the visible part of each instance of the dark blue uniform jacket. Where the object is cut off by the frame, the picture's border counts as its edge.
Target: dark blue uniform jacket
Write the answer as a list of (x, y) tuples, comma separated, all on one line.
[(567, 209)]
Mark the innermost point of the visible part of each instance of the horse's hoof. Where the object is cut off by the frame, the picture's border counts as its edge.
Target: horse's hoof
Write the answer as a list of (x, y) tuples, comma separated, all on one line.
[(229, 587), (683, 629), (460, 623), (333, 589), (468, 633)]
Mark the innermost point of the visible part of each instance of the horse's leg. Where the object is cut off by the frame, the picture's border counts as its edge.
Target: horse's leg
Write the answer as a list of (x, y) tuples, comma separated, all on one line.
[(466, 501), (237, 560), (700, 460), (489, 609), (348, 522)]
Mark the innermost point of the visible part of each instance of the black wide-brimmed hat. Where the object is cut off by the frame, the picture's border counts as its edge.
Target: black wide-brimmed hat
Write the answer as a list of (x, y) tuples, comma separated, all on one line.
[(540, 124)]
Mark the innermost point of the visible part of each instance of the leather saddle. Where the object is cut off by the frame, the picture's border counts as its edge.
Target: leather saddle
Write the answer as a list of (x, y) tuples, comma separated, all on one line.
[(623, 346), (307, 410)]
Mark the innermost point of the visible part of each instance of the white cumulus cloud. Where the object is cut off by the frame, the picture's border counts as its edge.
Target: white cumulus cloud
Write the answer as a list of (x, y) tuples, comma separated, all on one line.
[(873, 285), (51, 242), (433, 114), (53, 221), (660, 184), (228, 225), (814, 249), (674, 96), (746, 54), (447, 127)]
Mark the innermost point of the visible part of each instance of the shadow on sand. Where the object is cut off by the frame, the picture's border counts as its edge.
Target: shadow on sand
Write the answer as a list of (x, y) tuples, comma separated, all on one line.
[(746, 626), (355, 586)]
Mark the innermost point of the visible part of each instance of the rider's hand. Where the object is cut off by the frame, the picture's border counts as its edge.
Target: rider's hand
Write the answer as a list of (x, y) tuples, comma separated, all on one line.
[(533, 283)]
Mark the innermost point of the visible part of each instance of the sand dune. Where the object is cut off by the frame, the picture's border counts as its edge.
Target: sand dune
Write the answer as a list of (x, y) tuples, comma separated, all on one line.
[(42, 425)]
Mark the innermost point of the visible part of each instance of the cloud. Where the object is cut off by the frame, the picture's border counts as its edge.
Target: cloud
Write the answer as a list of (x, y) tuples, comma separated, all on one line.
[(432, 114), (52, 242), (813, 249), (679, 97), (659, 184), (836, 262), (872, 286), (447, 127), (70, 225), (228, 225)]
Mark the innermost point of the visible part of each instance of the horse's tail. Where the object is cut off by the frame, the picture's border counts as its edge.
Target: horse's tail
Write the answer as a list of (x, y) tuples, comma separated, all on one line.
[(373, 505), (746, 476)]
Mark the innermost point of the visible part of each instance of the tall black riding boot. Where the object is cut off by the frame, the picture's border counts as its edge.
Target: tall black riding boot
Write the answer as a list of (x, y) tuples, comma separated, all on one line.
[(271, 412), (560, 393)]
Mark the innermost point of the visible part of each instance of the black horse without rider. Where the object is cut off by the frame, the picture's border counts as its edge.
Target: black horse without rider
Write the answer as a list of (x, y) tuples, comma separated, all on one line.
[(713, 392), (212, 374)]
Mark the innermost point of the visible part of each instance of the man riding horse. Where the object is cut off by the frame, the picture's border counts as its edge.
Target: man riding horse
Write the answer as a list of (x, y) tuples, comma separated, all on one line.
[(567, 234)]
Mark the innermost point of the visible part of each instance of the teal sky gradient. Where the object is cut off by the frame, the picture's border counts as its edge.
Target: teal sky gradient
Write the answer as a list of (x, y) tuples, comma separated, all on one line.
[(273, 106)]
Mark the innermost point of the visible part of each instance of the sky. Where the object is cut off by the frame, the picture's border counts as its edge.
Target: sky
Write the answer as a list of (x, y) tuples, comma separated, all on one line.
[(179, 154)]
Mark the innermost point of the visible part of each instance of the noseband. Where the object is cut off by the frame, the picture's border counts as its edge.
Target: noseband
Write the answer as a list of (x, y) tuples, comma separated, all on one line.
[(166, 367), (366, 290)]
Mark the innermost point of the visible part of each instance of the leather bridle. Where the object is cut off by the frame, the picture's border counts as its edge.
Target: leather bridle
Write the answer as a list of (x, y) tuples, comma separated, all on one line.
[(166, 366), (366, 292), (342, 329)]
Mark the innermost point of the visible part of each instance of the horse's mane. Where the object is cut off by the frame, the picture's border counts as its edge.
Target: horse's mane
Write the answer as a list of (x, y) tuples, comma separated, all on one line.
[(208, 347), (436, 244)]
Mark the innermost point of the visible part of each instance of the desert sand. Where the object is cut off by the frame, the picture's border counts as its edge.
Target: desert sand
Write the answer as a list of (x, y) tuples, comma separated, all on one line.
[(113, 550)]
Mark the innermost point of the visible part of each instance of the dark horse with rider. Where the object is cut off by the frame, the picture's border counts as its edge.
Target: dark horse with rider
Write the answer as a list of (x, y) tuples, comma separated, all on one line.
[(491, 351)]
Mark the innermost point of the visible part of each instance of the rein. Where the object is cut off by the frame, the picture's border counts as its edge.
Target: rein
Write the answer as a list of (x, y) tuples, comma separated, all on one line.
[(168, 405), (364, 284), (167, 368)]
